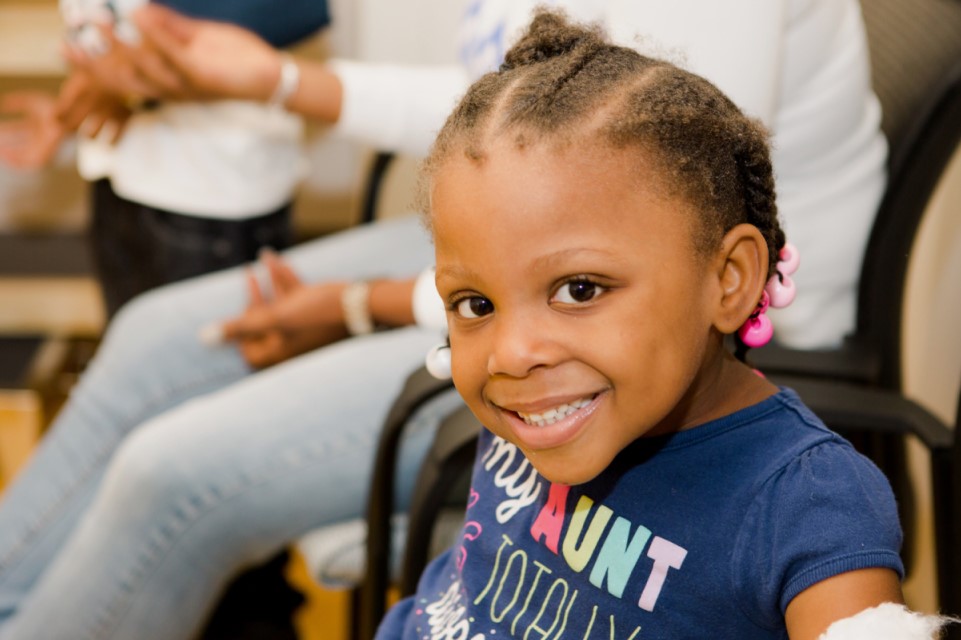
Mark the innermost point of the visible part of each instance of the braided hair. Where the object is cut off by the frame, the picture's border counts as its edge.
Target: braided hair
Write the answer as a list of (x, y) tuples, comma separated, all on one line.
[(562, 80)]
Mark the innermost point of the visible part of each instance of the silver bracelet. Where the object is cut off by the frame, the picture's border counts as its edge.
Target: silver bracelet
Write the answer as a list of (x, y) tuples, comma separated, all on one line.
[(287, 83), (354, 303)]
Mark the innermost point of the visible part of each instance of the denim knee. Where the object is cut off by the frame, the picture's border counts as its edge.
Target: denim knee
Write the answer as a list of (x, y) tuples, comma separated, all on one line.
[(150, 478), (143, 324)]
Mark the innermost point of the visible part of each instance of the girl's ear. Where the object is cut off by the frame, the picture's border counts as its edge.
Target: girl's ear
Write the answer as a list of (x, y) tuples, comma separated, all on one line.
[(742, 263)]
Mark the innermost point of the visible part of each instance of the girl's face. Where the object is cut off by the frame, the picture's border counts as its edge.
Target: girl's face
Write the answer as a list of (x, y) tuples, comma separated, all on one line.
[(579, 312)]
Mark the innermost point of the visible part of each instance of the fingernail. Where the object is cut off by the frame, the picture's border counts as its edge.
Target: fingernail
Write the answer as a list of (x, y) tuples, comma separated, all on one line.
[(211, 335), (87, 129)]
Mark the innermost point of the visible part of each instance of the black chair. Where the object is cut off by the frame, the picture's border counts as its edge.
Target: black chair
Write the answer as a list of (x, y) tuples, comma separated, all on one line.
[(916, 72), (419, 389), (916, 56), (376, 174)]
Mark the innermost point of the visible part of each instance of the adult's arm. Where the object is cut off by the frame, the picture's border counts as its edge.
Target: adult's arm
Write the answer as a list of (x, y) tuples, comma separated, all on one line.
[(286, 317), (391, 107)]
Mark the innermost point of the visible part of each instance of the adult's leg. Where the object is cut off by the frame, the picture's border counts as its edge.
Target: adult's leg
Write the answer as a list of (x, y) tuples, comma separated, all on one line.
[(222, 482), (150, 360)]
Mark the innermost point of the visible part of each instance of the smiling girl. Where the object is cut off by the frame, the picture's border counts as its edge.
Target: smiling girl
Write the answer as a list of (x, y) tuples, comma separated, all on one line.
[(602, 220)]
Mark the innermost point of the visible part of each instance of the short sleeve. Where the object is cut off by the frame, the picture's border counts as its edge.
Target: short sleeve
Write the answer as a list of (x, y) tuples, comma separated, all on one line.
[(827, 512), (392, 626)]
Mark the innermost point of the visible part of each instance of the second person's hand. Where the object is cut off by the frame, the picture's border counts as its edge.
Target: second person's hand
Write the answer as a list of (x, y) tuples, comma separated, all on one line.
[(215, 59), (290, 320)]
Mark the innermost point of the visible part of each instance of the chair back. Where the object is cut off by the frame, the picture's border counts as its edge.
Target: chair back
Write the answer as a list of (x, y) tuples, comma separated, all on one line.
[(915, 48)]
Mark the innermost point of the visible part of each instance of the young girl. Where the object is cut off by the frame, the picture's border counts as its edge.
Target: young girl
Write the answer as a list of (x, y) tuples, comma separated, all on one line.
[(602, 221)]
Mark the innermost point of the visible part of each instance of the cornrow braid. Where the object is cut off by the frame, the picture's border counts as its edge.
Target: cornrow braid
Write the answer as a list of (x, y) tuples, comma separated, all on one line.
[(563, 80), (757, 179)]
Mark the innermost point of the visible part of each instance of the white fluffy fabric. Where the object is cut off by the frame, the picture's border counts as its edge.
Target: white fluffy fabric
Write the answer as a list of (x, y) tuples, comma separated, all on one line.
[(887, 621)]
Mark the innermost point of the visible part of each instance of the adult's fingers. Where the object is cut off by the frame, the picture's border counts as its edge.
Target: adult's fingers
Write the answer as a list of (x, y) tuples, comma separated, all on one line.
[(158, 20), (282, 276), (74, 104), (255, 294), (167, 33), (151, 75)]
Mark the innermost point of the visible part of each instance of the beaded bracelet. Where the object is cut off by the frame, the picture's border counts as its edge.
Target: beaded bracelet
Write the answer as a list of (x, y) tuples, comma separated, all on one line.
[(287, 83), (354, 303)]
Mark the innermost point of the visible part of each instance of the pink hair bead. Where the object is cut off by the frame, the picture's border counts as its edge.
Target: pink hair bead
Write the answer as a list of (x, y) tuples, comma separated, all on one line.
[(762, 304), (782, 292), (757, 331), (789, 259)]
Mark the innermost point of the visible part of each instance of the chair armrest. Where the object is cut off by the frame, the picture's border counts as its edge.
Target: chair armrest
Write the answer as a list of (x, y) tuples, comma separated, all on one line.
[(853, 360), (419, 388)]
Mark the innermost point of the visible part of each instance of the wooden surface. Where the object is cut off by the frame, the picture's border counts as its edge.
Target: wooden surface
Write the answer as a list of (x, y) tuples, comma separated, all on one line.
[(20, 422), (30, 34)]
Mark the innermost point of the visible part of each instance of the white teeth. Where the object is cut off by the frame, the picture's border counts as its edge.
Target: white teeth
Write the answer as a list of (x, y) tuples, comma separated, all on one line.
[(553, 415)]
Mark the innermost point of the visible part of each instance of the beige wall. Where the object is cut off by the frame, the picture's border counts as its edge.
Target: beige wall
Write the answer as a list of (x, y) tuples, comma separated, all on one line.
[(932, 346)]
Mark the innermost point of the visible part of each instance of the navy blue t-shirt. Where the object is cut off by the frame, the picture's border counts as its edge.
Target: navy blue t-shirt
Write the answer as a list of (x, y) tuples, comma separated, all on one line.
[(281, 23), (706, 533)]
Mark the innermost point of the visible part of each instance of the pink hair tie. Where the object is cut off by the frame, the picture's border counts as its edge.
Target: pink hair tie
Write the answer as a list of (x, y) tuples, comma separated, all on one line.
[(780, 287), (779, 292), (789, 259), (757, 330)]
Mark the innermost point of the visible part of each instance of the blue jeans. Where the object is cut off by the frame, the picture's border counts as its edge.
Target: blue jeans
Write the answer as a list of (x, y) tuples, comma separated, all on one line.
[(173, 466)]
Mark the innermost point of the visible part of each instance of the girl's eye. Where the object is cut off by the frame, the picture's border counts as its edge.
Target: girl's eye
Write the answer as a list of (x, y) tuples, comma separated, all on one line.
[(577, 292), (473, 307)]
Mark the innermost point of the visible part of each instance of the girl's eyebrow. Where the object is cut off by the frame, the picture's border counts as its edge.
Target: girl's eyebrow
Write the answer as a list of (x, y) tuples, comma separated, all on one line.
[(455, 271), (567, 254)]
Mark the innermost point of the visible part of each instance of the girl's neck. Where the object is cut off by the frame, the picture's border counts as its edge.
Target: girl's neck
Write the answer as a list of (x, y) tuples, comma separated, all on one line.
[(721, 388)]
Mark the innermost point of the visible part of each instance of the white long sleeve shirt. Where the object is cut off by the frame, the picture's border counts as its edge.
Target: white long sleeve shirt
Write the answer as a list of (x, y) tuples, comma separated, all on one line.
[(801, 66)]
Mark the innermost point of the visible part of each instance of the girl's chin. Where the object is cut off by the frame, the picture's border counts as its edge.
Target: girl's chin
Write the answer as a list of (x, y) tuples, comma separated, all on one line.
[(557, 470)]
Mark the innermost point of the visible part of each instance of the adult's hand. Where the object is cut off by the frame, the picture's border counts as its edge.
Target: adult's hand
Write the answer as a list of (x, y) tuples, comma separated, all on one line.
[(290, 320), (30, 132), (214, 59), (128, 72), (83, 105)]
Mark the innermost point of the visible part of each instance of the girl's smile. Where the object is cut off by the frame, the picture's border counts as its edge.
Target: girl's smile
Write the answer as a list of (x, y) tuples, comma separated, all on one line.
[(553, 427)]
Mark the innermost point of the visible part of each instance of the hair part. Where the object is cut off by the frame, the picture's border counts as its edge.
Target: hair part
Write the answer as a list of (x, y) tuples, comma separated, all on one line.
[(563, 82)]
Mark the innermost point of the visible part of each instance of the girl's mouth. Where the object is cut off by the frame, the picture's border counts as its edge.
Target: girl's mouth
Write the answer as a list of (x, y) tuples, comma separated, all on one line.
[(553, 427), (556, 413)]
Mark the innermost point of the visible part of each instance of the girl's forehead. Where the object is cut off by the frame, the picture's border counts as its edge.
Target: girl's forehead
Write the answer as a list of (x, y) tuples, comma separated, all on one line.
[(540, 190), (522, 164)]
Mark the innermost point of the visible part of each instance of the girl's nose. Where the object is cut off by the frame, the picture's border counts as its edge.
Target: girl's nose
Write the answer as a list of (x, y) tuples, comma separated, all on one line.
[(520, 346)]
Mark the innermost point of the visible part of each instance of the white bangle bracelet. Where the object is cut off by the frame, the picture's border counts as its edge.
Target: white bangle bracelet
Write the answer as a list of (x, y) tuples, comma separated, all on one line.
[(287, 83), (354, 303)]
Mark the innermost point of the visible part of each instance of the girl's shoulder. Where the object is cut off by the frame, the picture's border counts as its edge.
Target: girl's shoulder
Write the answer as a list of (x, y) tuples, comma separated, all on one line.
[(819, 508)]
